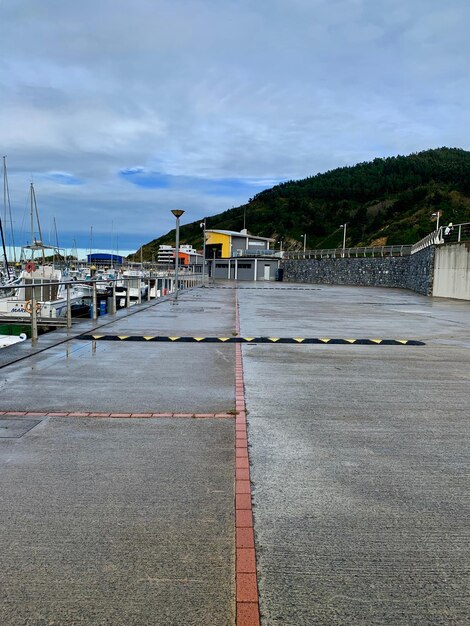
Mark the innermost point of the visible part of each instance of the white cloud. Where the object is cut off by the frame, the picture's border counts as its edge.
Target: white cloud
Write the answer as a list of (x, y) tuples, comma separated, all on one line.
[(219, 89)]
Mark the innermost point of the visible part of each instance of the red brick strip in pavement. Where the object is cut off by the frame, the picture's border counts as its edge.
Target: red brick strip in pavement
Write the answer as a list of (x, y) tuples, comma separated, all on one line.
[(115, 415), (245, 562)]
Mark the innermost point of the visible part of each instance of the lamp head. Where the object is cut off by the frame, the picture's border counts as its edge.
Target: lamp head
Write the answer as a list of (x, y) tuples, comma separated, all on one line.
[(177, 212)]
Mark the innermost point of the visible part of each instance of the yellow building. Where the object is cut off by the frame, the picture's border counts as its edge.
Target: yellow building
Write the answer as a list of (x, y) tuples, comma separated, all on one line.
[(226, 244), (233, 255)]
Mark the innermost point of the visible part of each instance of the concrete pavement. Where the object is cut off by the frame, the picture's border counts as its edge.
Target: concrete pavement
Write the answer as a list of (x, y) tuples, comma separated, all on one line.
[(133, 378), (106, 522), (121, 521), (358, 456)]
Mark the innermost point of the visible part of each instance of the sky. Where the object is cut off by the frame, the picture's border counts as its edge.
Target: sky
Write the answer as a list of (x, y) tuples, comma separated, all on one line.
[(121, 111)]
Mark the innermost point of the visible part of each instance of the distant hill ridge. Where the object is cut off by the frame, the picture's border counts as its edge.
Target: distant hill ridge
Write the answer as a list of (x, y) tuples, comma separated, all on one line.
[(384, 202)]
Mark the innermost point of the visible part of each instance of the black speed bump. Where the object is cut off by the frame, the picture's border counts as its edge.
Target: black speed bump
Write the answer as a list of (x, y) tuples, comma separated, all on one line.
[(271, 340)]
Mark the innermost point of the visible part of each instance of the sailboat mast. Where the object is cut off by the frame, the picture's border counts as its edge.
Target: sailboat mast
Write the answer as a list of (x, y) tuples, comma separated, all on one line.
[(74, 252), (37, 216), (31, 213), (4, 191), (56, 236), (57, 240), (35, 206), (5, 221), (4, 249), (7, 203)]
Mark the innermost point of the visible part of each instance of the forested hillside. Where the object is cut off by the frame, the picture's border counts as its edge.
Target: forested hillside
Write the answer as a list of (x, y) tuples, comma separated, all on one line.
[(384, 202)]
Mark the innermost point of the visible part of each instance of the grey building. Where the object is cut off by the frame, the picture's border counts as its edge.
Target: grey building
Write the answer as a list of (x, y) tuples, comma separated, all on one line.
[(233, 255)]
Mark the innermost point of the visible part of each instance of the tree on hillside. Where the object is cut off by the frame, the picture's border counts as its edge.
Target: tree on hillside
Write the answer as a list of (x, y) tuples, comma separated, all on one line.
[(392, 198)]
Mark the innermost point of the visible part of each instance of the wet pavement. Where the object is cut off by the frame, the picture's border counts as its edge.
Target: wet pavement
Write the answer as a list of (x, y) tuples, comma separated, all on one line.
[(359, 457), (121, 521), (358, 454), (109, 522), (129, 377)]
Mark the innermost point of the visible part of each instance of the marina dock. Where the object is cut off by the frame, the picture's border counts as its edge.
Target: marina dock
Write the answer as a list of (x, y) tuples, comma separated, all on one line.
[(258, 453)]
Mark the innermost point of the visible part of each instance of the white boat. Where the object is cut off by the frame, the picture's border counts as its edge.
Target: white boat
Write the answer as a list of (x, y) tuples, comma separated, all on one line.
[(50, 290), (9, 340), (132, 281), (8, 284), (49, 283)]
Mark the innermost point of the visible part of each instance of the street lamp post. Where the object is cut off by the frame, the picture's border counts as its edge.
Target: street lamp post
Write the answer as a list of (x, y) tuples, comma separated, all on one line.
[(177, 213), (344, 227), (438, 215), (305, 242)]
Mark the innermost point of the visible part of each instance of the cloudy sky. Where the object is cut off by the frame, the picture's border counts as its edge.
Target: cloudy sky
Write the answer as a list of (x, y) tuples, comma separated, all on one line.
[(120, 111)]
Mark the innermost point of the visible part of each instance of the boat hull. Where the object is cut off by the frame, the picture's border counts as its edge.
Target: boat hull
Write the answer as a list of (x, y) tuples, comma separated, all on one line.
[(45, 310)]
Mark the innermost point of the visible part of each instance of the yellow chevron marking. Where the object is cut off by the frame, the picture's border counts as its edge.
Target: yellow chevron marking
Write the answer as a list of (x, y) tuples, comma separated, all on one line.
[(273, 339), (123, 336), (248, 338), (224, 338), (403, 341), (198, 338), (377, 340), (298, 339), (147, 338), (173, 338), (97, 336), (324, 339), (350, 340)]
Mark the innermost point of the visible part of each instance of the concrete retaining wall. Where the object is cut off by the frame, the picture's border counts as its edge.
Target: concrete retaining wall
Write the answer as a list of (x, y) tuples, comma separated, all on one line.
[(452, 271), (408, 272)]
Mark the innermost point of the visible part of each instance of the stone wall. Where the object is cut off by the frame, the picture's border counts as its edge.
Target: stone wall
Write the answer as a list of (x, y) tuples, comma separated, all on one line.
[(408, 272), (421, 271)]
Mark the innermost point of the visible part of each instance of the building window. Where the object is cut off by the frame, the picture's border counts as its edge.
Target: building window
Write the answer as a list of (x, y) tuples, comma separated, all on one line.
[(220, 265), (244, 266)]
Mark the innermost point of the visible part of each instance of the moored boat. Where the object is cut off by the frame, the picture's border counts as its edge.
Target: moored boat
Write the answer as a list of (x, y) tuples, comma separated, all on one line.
[(50, 291), (10, 340), (133, 281)]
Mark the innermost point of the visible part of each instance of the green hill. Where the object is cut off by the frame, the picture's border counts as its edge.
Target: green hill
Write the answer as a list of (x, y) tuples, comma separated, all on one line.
[(384, 202)]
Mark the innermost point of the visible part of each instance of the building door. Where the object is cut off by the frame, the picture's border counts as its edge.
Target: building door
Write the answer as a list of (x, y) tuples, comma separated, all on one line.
[(267, 271)]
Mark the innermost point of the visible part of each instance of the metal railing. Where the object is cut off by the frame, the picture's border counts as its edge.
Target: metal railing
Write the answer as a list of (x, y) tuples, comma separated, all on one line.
[(160, 286), (445, 234), (258, 253), (350, 253)]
